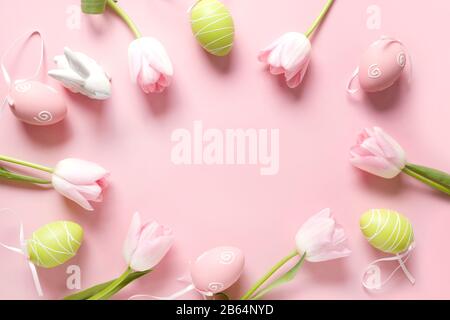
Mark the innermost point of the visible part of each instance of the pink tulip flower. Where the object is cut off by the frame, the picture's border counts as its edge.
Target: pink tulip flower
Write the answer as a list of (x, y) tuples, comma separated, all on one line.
[(150, 65), (318, 239), (289, 55), (378, 153), (146, 244), (80, 181), (321, 238)]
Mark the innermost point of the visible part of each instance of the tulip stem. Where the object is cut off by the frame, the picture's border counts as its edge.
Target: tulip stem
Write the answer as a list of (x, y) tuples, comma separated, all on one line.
[(26, 164), (274, 269), (6, 174), (125, 17), (319, 19), (88, 293), (107, 292), (436, 179)]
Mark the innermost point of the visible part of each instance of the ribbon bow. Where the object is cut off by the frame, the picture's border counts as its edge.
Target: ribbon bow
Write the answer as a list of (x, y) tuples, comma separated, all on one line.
[(372, 275), (23, 251)]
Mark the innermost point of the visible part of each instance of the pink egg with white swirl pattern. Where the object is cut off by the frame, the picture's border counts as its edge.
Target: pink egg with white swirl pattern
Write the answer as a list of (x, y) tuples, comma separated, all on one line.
[(217, 269), (36, 103), (382, 64)]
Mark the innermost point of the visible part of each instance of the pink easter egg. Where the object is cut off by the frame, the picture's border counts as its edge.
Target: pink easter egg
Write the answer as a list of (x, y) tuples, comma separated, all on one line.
[(381, 65), (217, 269), (36, 103)]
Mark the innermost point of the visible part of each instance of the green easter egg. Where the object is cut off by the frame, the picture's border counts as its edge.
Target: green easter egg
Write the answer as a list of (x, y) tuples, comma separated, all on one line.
[(54, 243), (93, 6), (387, 230), (213, 26)]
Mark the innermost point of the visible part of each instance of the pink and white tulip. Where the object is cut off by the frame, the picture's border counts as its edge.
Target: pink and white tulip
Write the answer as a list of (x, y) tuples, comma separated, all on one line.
[(318, 239), (288, 55), (150, 65), (80, 181), (378, 153), (146, 244), (321, 238)]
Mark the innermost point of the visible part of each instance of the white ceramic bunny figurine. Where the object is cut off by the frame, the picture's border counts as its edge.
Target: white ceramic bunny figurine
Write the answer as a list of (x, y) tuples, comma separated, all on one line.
[(82, 74)]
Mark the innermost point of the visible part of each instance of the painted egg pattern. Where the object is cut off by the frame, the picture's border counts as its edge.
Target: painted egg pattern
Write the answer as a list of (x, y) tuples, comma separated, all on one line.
[(213, 26), (36, 103), (54, 243), (381, 65), (217, 269), (387, 230)]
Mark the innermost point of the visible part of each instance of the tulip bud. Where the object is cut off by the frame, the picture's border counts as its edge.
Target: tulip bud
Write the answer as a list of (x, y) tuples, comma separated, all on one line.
[(146, 244), (321, 238), (81, 181), (150, 66), (54, 243), (288, 55), (378, 153)]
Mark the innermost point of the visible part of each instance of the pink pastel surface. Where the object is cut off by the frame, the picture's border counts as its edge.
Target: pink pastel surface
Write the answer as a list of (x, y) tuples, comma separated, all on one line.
[(208, 206)]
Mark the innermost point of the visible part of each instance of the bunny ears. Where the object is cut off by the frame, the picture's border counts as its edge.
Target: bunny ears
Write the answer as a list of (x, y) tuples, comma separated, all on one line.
[(81, 74)]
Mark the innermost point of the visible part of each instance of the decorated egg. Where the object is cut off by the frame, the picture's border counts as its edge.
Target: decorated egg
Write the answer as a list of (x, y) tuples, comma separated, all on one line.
[(54, 243), (93, 6), (387, 230), (382, 64), (213, 26), (217, 269), (36, 103)]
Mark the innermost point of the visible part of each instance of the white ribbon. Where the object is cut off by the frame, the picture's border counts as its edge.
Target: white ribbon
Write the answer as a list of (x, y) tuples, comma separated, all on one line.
[(408, 65), (351, 90), (190, 287), (5, 73), (371, 279), (23, 251), (173, 296)]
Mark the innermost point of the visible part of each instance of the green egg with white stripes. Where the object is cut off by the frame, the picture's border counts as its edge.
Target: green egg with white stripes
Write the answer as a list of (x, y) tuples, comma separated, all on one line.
[(213, 26), (54, 244), (387, 230)]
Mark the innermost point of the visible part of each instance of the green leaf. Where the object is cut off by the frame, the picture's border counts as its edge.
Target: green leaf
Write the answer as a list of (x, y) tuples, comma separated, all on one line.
[(86, 294), (285, 278), (432, 177), (438, 176)]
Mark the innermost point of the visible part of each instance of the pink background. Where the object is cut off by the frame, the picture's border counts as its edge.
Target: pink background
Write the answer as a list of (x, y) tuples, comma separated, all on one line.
[(233, 205)]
